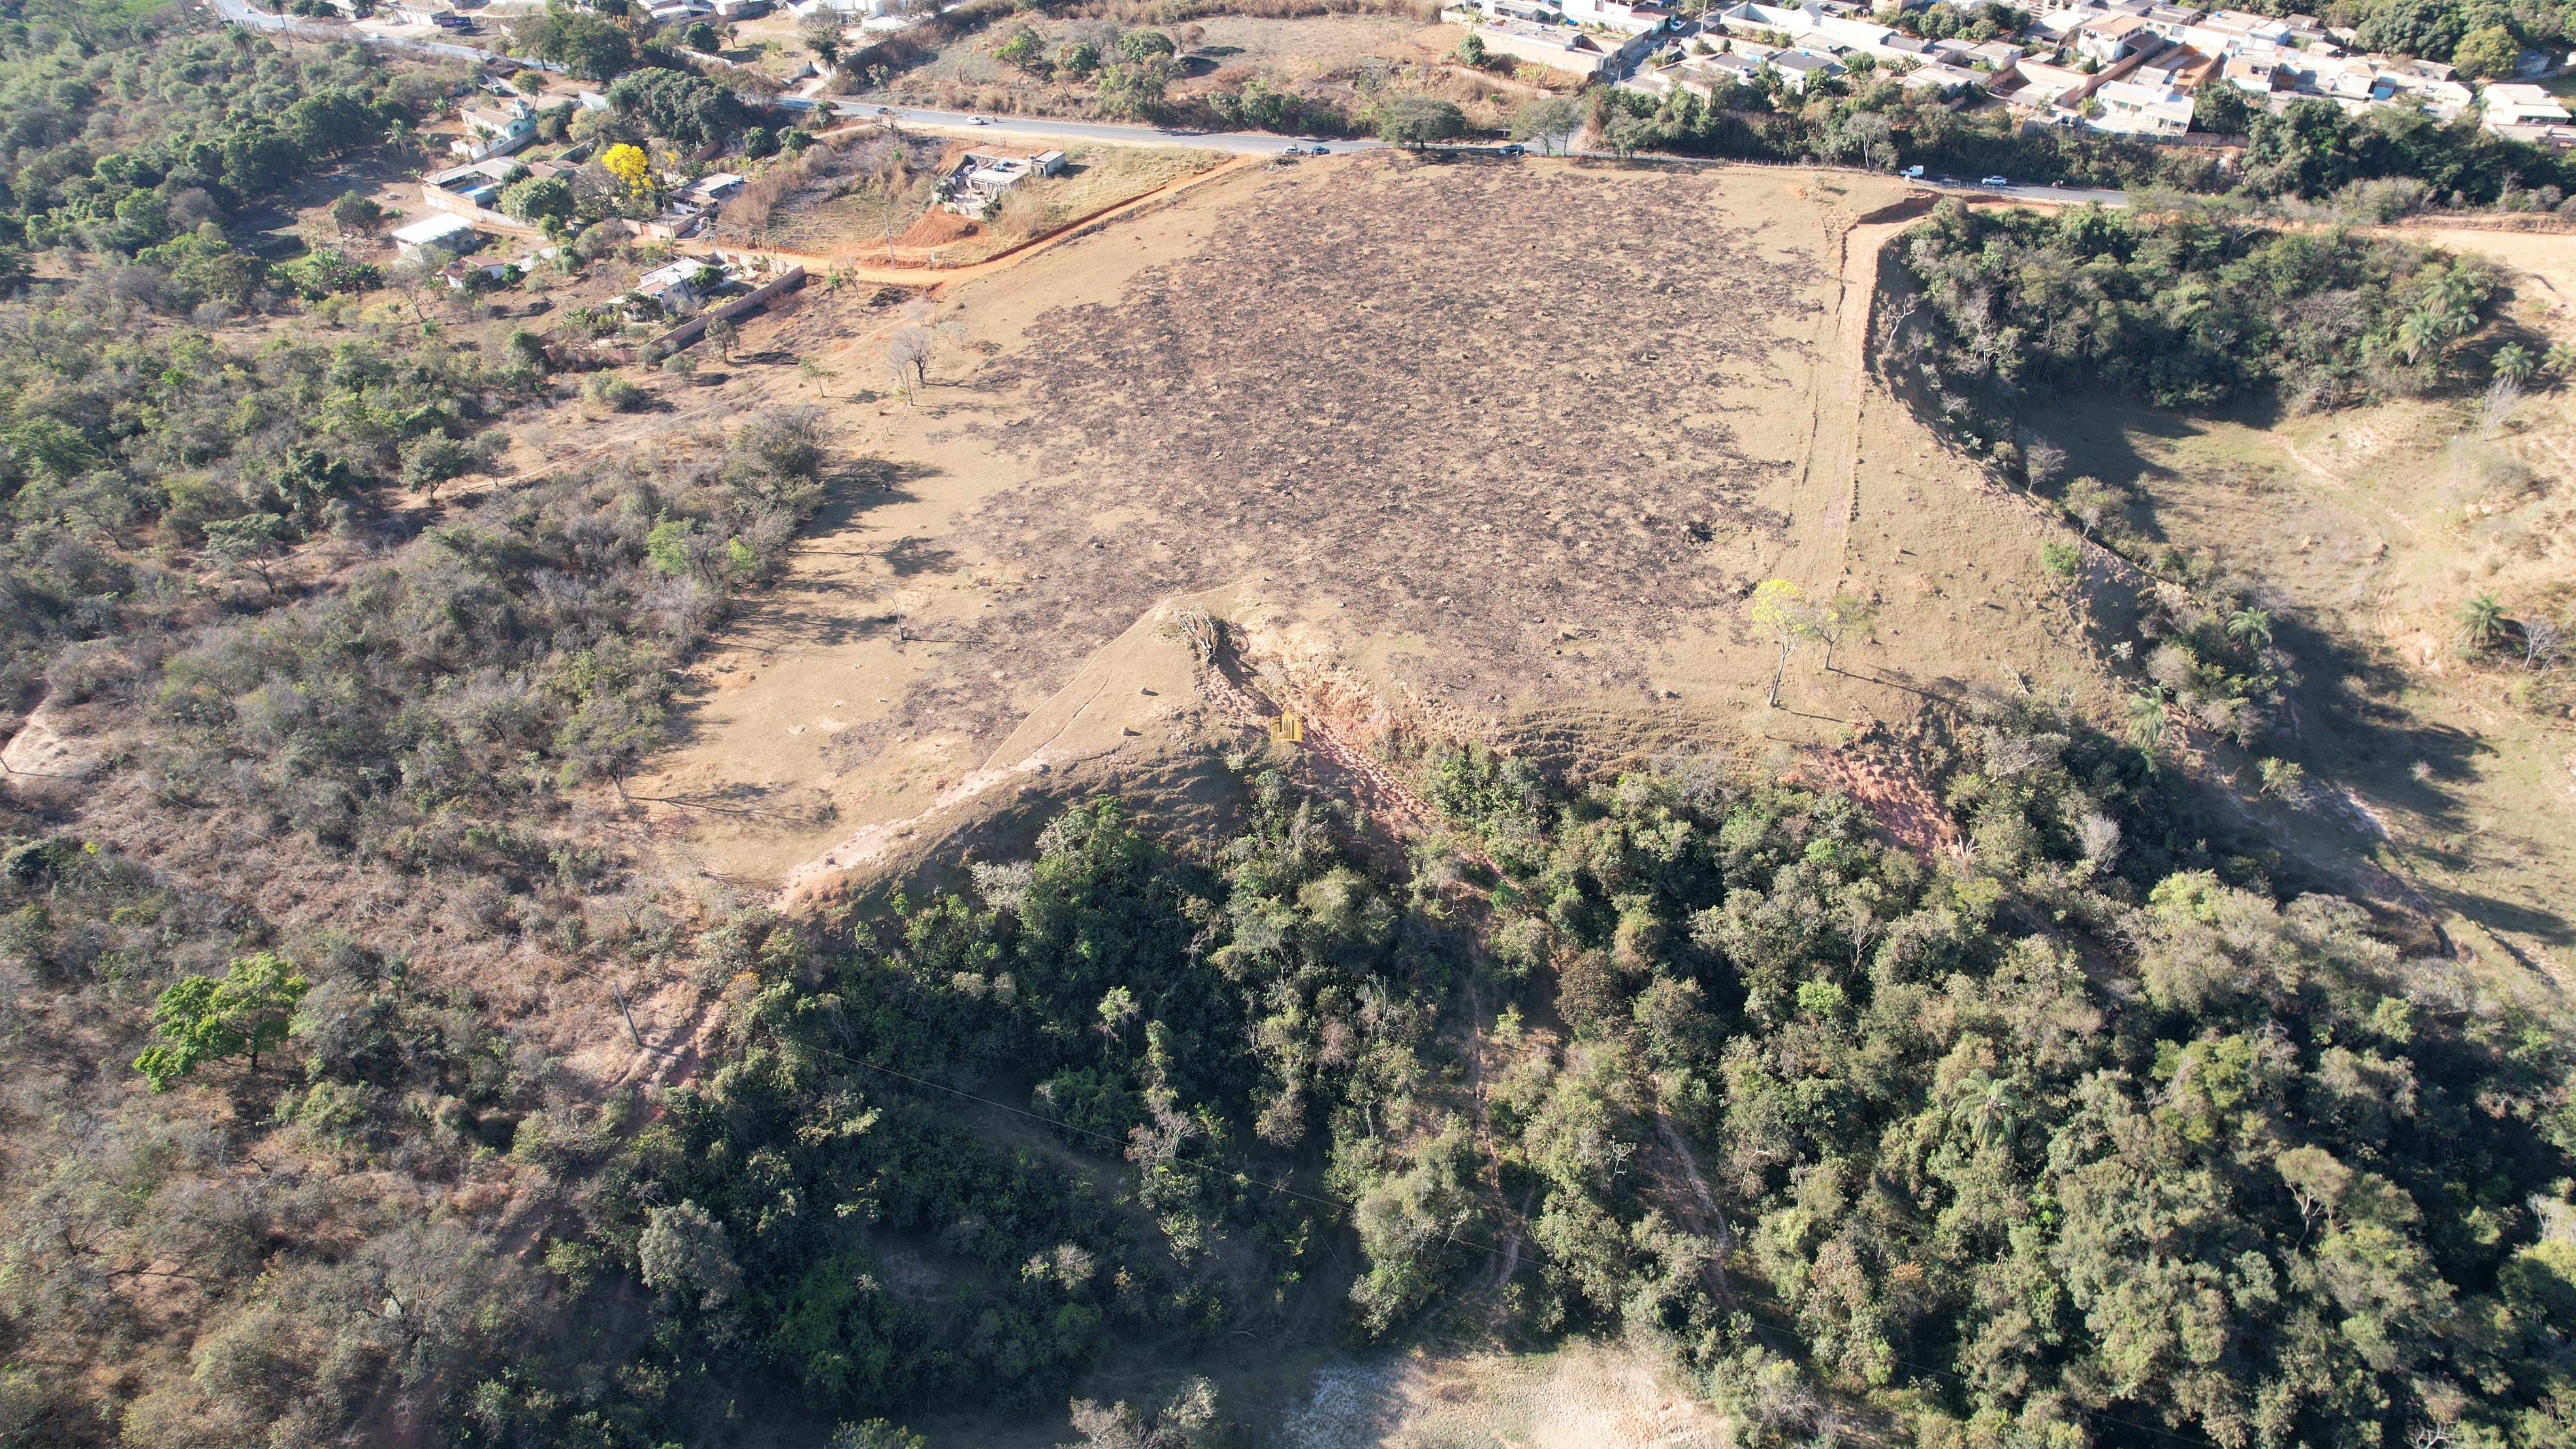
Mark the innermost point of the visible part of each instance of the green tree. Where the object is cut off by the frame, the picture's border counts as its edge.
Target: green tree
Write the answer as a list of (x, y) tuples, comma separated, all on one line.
[(526, 349), (821, 32), (1077, 58), (876, 1434), (1549, 120), (2412, 27), (2483, 624), (539, 199), (1026, 50), (1986, 1105), (2251, 627), (2487, 52), (1134, 88), (1471, 51), (1782, 610), (206, 1019), (723, 334), (252, 544), (702, 38), (2222, 109), (357, 214), (1417, 121), (586, 45), (1141, 46), (2145, 718), (2514, 363)]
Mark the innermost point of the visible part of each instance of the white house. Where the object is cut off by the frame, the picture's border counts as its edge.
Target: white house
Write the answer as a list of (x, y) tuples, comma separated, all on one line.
[(495, 130), (673, 285), (1562, 47), (452, 234), (709, 189), (2113, 37), (1620, 15), (1947, 79), (2140, 110), (2520, 105)]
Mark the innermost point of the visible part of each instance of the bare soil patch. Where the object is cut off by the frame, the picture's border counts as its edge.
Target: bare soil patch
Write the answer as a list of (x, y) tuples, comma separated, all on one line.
[(1496, 449)]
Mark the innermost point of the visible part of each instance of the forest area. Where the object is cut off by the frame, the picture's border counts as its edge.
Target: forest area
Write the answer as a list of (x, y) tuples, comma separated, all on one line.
[(2104, 1133)]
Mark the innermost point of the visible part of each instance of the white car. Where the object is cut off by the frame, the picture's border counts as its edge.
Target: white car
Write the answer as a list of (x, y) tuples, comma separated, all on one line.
[(979, 120), (1996, 181)]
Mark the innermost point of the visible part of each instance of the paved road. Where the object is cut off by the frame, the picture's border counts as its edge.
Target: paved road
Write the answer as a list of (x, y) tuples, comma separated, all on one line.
[(1242, 143)]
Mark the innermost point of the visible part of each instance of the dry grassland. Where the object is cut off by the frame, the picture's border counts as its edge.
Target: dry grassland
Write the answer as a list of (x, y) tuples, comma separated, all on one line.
[(2366, 530), (1496, 447)]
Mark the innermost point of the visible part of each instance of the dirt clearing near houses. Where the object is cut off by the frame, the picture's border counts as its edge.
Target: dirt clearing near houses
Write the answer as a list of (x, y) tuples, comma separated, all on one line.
[(1501, 447)]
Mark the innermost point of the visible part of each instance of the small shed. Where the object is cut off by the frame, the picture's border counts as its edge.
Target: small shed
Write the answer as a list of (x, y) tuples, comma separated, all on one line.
[(446, 233)]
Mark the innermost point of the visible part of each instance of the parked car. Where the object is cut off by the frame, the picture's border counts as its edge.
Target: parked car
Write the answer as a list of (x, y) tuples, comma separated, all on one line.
[(979, 120), (1516, 149), (1996, 181), (1292, 150), (1319, 149)]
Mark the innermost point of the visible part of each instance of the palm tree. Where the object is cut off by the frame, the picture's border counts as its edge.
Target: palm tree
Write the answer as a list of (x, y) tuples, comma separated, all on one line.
[(1986, 1105), (2252, 627), (2147, 719), (2513, 362), (2416, 332), (2482, 623)]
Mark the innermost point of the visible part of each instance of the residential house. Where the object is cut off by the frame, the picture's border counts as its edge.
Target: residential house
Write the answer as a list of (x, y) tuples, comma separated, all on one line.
[(1580, 53), (2506, 106), (1994, 55), (2116, 37), (673, 285), (1703, 74), (1797, 67), (2139, 110), (2175, 68), (710, 189), (2044, 87), (1949, 80), (2257, 70), (452, 234), (2224, 31), (495, 129), (1620, 15), (2424, 83), (2170, 21), (981, 178)]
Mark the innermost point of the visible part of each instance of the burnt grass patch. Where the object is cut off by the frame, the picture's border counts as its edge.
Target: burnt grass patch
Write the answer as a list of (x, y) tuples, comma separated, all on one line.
[(1502, 410)]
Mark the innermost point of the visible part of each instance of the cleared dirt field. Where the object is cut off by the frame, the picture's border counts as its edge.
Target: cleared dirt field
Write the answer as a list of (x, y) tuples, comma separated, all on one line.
[(1500, 448)]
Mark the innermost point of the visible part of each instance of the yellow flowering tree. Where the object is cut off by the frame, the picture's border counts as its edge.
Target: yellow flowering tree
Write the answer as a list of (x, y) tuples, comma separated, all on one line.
[(630, 166), (1786, 613)]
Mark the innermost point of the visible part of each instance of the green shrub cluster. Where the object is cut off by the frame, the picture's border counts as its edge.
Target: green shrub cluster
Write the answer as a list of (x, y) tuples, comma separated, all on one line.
[(2185, 312), (2088, 1138), (419, 713), (126, 133)]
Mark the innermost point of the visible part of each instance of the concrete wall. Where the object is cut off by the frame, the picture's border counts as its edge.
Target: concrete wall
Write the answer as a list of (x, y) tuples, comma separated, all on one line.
[(696, 327)]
